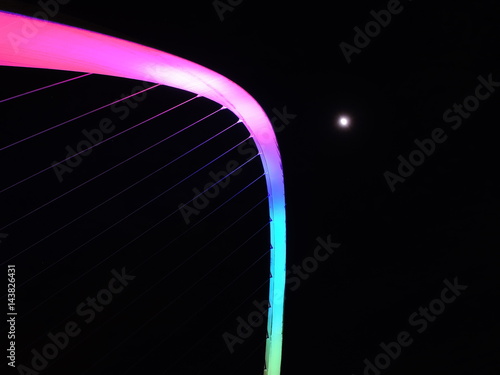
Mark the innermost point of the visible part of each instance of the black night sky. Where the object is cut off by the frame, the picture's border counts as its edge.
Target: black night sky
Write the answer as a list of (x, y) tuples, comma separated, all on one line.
[(405, 197)]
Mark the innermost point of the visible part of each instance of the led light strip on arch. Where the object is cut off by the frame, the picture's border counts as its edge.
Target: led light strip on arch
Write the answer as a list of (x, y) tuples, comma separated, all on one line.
[(54, 46)]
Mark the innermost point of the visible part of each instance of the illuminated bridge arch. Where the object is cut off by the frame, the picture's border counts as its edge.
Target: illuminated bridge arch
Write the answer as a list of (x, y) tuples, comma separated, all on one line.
[(60, 47)]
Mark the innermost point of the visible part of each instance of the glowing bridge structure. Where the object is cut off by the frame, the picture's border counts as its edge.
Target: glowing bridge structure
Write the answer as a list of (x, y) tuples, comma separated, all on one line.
[(34, 43)]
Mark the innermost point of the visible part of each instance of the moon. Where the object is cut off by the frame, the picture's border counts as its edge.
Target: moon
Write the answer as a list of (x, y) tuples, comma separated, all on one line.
[(344, 121)]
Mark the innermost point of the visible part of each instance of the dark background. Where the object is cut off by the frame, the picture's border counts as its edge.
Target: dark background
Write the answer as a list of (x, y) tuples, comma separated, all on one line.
[(396, 247)]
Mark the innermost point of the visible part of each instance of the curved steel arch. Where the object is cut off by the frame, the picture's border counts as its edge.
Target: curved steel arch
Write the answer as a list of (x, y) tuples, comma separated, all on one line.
[(33, 43)]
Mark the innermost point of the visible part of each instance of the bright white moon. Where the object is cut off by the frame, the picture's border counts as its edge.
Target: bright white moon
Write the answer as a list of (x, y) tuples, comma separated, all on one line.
[(344, 121)]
